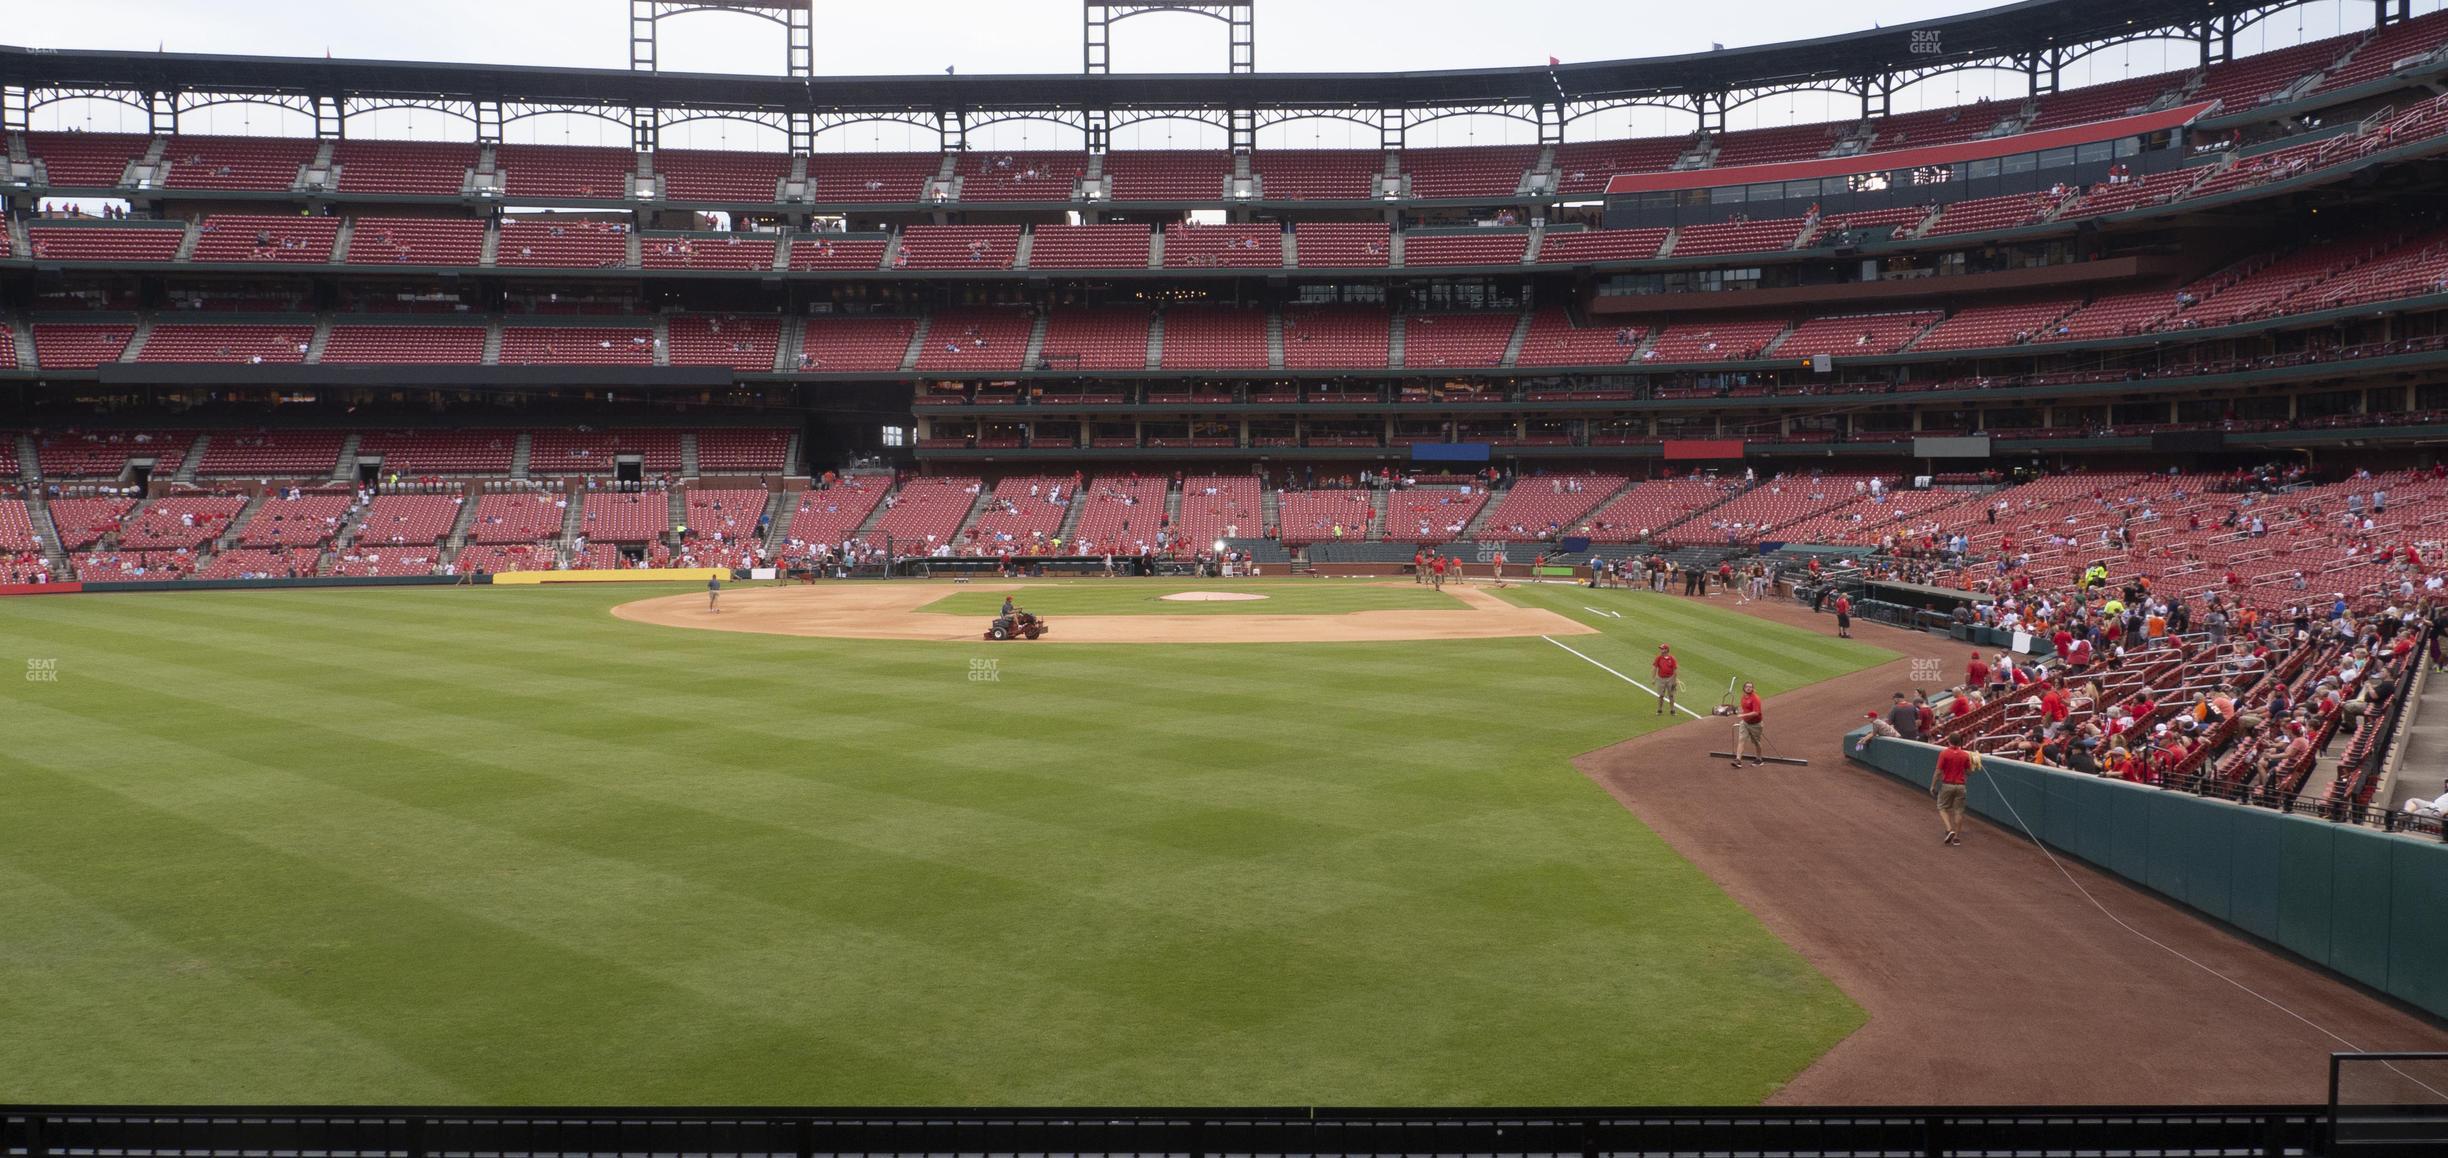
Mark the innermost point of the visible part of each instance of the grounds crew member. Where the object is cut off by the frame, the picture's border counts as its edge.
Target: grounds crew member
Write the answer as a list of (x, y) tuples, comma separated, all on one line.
[(1748, 729), (1664, 665), (1955, 766)]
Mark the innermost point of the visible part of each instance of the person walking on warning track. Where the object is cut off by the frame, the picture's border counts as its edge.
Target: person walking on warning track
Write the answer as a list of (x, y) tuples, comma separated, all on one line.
[(713, 592), (1748, 726), (1955, 767), (1664, 665), (1844, 616)]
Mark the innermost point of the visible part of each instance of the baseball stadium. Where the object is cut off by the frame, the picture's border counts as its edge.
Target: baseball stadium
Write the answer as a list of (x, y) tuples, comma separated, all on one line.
[(1860, 593)]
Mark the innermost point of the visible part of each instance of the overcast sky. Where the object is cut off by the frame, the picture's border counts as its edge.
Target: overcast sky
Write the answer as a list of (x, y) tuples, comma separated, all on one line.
[(978, 36)]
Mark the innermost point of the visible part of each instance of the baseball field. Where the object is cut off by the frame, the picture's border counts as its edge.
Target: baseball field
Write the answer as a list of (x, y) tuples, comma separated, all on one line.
[(504, 846)]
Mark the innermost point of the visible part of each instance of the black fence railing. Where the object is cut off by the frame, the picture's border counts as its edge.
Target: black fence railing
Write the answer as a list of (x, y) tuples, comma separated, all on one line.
[(397, 1132)]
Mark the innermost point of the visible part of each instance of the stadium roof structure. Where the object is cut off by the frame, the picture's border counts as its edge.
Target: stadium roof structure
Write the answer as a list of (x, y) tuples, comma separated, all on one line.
[(2037, 37)]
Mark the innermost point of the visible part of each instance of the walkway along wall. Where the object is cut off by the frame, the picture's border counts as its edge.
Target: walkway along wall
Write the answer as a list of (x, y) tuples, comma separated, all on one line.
[(2371, 905)]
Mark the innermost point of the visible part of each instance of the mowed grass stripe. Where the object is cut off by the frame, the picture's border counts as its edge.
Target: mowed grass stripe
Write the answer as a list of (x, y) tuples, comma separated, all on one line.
[(1354, 851)]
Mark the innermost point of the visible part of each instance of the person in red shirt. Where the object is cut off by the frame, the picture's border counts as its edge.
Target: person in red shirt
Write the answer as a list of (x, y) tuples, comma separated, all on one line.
[(1955, 768), (1976, 672), (1960, 704), (1437, 572), (1419, 567), (1844, 617), (2053, 705), (1748, 727), (1664, 666)]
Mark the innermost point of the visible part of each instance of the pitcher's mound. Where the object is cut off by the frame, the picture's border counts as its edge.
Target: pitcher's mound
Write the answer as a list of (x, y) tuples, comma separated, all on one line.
[(1208, 597)]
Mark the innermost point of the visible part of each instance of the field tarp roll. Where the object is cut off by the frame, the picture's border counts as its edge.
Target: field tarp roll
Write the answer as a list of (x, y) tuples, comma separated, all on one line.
[(2360, 901)]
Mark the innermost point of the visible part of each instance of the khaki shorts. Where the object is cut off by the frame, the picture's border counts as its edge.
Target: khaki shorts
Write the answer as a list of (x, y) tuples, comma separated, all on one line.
[(1950, 797), (1751, 732), (1666, 686)]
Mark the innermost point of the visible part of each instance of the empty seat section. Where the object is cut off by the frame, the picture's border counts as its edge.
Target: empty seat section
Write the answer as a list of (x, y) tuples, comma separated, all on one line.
[(426, 345), (577, 345), (261, 563), (1977, 327), (705, 251), (1121, 515), (518, 518), (1438, 340), (171, 524), (1317, 174), (281, 454), (566, 243), (721, 527), (265, 237), (308, 520), (1854, 335), (1867, 225), (1647, 508), (1096, 339), (1942, 126), (627, 517), (2406, 41), (2113, 315), (838, 344), (422, 453), (1342, 244), (993, 176), (1783, 143), (1317, 516), (585, 452), (79, 345), (1193, 246), (1493, 171), (866, 178), (1220, 507), (1431, 515), (1991, 213), (199, 342), (83, 522), (408, 520), (86, 160), (1584, 166), (976, 339), (1737, 237), (416, 241), (564, 171), (1712, 341), (1554, 341), (841, 253), (1021, 515), (711, 175), (959, 246), (1167, 175), (105, 454), (1601, 245), (1333, 337), (1764, 508), (743, 449), (1546, 506), (1476, 247), (1215, 337), (2243, 84), (2100, 102), (740, 343), (104, 243), (256, 163), (829, 515), (421, 168), (1089, 247), (925, 512)]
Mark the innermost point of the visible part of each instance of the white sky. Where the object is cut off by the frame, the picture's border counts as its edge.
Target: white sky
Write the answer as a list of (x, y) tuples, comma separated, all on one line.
[(879, 37)]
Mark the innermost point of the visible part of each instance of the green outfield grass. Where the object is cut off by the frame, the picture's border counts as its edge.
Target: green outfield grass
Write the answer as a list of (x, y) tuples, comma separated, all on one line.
[(1146, 597), (496, 846)]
